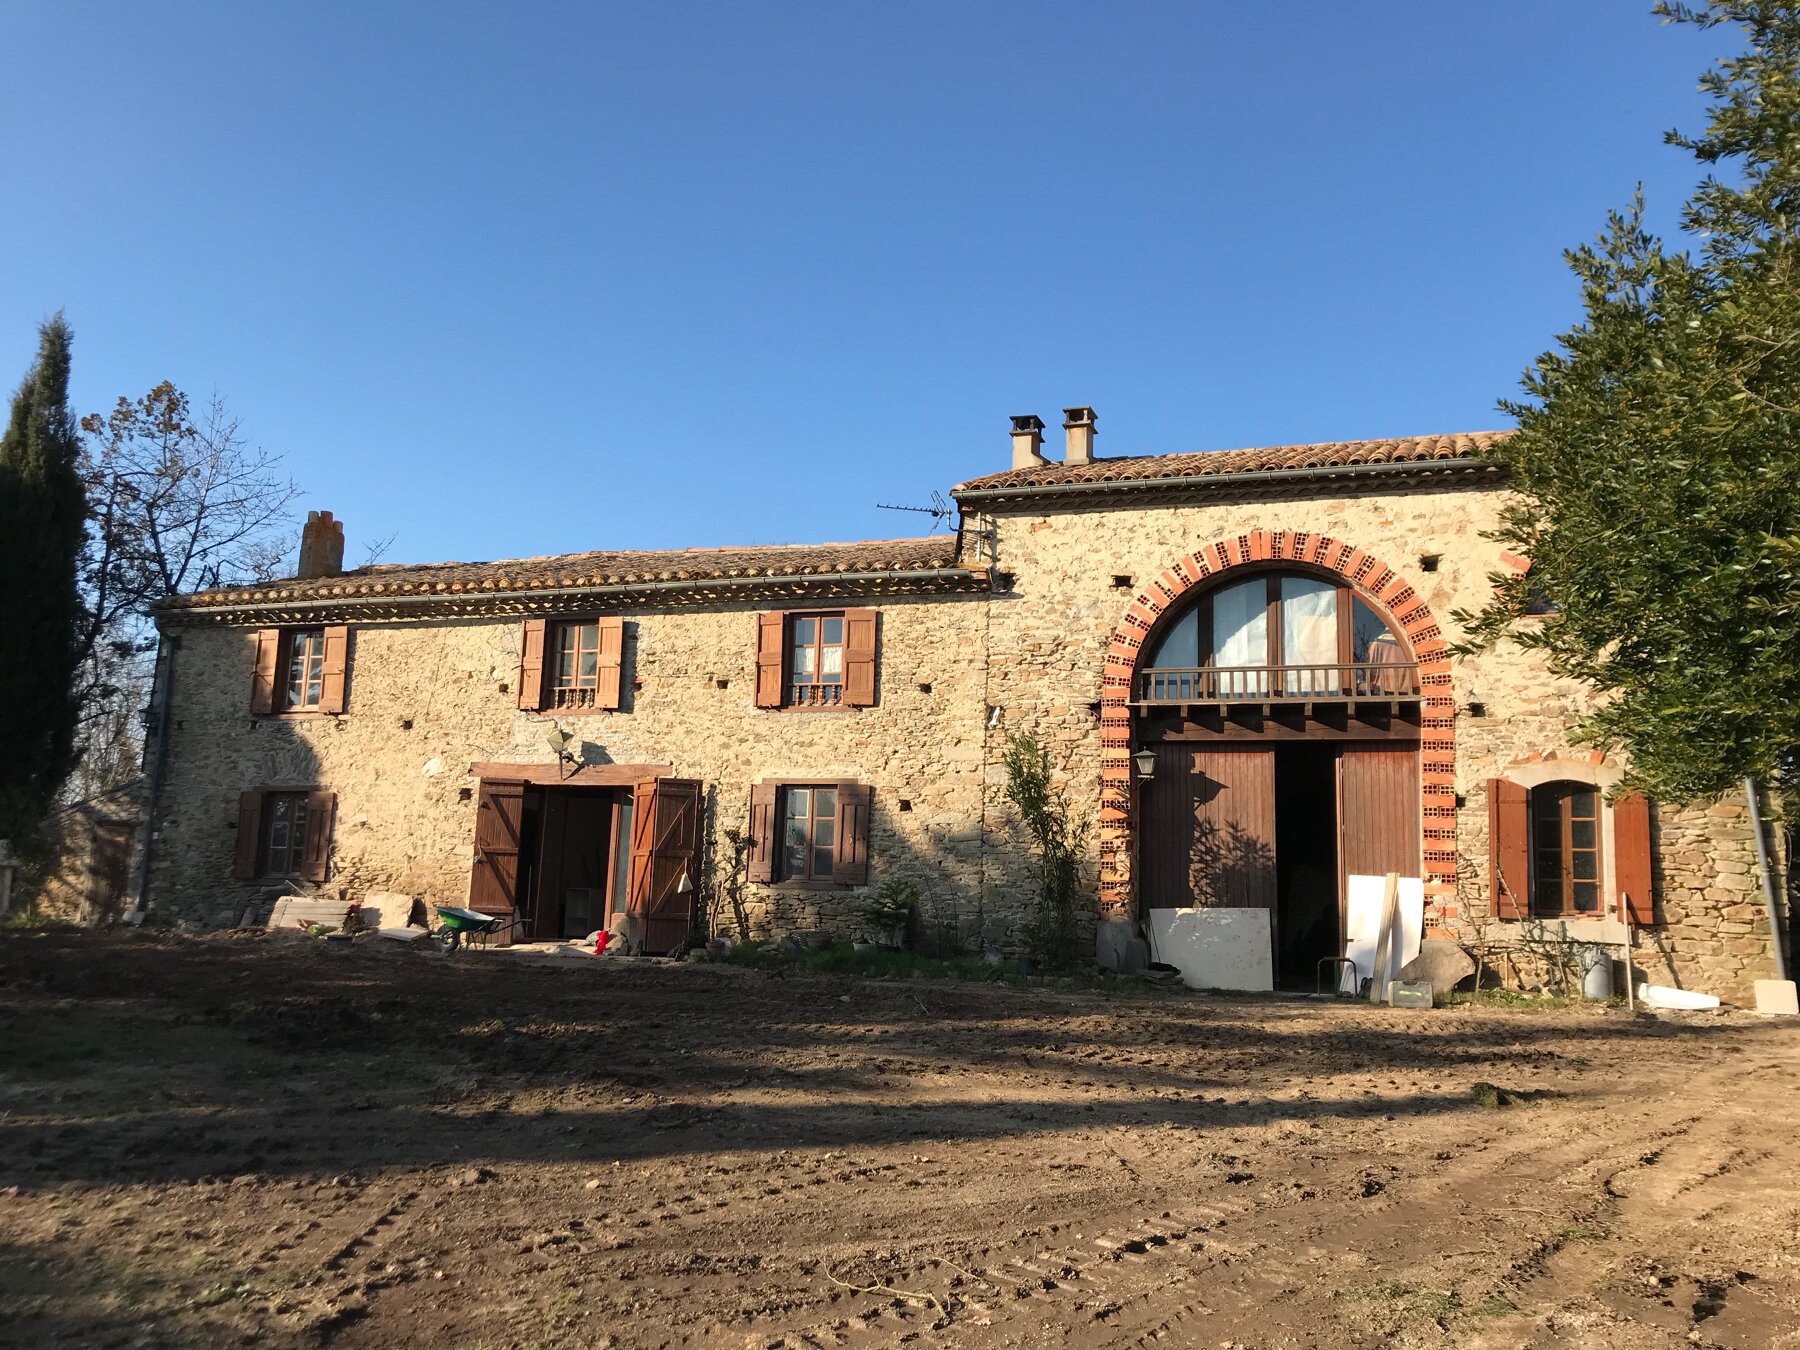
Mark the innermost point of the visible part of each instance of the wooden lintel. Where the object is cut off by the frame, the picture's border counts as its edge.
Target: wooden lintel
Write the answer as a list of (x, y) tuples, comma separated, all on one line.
[(584, 775)]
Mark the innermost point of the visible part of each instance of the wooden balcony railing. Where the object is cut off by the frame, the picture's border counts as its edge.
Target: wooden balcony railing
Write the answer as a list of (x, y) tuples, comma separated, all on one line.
[(572, 698), (819, 695), (1380, 682)]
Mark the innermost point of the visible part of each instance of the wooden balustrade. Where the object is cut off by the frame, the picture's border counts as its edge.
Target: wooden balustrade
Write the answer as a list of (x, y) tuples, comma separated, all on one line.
[(1384, 681)]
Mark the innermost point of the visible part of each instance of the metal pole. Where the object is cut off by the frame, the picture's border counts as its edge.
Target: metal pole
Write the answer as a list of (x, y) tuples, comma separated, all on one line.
[(1767, 877)]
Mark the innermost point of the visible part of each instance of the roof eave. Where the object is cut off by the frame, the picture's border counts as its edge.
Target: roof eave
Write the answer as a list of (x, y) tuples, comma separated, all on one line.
[(681, 592), (1274, 482)]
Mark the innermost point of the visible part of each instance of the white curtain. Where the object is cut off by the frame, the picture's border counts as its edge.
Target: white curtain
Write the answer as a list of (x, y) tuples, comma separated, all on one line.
[(1309, 633), (1240, 636)]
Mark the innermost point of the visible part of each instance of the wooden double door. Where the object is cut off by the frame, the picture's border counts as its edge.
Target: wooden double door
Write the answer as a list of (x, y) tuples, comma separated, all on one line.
[(560, 862), (1277, 826)]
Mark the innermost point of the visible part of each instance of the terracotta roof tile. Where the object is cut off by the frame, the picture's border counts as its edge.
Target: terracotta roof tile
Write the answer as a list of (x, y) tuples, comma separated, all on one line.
[(580, 570), (1269, 459)]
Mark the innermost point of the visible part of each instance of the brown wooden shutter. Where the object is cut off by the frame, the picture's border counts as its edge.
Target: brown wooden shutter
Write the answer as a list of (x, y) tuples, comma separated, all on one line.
[(769, 631), (315, 858), (262, 679), (494, 881), (611, 665), (859, 658), (531, 664), (336, 664), (850, 854), (1509, 849), (249, 834), (1631, 855), (665, 839), (765, 832)]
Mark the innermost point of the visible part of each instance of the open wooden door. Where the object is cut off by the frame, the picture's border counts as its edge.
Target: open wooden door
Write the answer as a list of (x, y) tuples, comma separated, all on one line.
[(665, 844), (494, 882), (1207, 831)]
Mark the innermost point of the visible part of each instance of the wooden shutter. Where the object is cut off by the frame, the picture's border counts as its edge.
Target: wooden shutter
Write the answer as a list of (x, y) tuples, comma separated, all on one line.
[(315, 858), (1631, 855), (494, 882), (262, 680), (336, 664), (249, 834), (1509, 850), (665, 842), (850, 855), (859, 658), (531, 664), (769, 632), (765, 832), (611, 665)]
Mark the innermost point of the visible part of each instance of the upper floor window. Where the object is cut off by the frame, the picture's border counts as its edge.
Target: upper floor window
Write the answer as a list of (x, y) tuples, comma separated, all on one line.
[(575, 670), (300, 670), (815, 644), (303, 667), (1565, 850), (1276, 634), (823, 659)]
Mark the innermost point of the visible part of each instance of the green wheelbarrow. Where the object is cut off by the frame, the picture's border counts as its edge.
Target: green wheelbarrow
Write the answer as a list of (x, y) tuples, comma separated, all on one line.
[(454, 924)]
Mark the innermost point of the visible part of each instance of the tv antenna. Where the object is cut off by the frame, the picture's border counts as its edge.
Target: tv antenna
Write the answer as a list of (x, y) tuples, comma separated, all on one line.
[(940, 510)]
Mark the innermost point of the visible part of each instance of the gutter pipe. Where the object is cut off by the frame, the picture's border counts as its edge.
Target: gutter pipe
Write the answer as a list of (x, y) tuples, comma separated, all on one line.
[(1265, 477), (1766, 876)]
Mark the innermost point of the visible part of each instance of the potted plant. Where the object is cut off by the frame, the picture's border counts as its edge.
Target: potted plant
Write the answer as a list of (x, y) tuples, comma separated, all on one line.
[(888, 911)]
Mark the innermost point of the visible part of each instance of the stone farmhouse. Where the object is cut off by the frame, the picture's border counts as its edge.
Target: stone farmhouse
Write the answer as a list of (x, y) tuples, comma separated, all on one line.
[(1238, 658)]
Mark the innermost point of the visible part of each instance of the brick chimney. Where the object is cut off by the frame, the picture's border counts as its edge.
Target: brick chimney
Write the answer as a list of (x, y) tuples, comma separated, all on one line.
[(1028, 442), (1078, 423), (321, 546)]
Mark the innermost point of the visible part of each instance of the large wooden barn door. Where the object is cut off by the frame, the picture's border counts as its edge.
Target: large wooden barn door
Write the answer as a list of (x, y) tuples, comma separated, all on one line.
[(1207, 831), (494, 882), (665, 842), (1378, 810)]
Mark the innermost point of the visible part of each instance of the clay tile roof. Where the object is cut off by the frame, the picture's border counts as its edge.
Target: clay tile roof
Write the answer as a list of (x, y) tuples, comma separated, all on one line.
[(873, 558), (1269, 459)]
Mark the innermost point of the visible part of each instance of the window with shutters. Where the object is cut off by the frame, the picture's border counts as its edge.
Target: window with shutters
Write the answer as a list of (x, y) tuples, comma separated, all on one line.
[(809, 834), (283, 848), (302, 665), (575, 665), (815, 645), (1565, 850)]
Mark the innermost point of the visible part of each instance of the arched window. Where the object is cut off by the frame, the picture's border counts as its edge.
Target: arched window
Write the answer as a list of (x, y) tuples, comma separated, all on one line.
[(1277, 634), (1565, 850)]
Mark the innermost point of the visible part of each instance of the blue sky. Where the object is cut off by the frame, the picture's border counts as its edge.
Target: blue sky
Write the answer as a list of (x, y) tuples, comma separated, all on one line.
[(514, 279)]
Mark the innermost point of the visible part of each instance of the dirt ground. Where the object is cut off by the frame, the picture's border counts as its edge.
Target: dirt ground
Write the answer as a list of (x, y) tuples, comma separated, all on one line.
[(236, 1141)]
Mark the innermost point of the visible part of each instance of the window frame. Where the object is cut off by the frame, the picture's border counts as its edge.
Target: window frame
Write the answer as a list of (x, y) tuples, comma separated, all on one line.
[(1562, 904), (295, 848), (812, 878), (790, 644), (284, 660), (1272, 576), (553, 651)]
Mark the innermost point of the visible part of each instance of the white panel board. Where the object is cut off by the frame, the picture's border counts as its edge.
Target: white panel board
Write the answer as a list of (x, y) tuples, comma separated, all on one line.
[(1215, 948), (1362, 922)]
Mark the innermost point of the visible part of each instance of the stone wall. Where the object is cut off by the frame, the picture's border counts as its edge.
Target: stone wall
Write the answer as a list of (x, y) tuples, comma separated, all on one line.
[(428, 698)]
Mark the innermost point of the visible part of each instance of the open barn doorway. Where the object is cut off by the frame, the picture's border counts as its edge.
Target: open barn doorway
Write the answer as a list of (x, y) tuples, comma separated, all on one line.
[(1307, 927)]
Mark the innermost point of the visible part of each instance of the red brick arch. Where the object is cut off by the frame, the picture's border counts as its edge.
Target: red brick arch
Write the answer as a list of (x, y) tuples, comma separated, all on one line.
[(1378, 583)]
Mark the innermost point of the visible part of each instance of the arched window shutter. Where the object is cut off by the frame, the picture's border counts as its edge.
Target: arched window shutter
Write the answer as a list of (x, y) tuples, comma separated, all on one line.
[(1509, 850), (1631, 855)]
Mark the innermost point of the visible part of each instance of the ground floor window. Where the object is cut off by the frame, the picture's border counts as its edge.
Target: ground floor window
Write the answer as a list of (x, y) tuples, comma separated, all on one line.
[(1565, 849), (809, 833)]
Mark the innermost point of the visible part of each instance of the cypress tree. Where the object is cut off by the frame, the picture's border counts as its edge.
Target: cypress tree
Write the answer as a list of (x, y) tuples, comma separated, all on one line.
[(43, 510)]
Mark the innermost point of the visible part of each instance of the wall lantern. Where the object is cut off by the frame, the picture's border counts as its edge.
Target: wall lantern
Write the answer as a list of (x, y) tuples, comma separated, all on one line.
[(1146, 764), (558, 741)]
